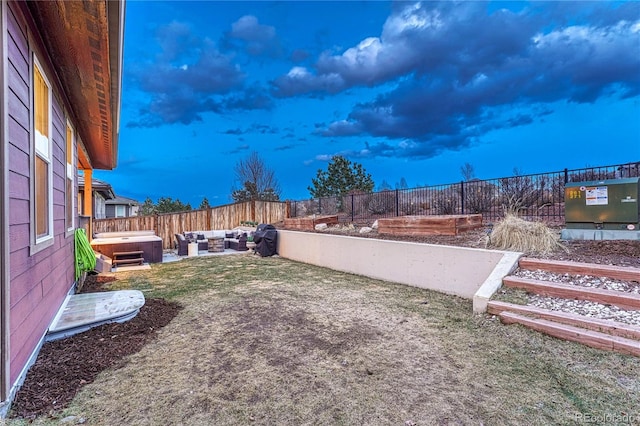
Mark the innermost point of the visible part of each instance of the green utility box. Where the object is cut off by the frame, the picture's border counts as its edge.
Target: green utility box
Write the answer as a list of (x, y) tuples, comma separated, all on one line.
[(606, 204)]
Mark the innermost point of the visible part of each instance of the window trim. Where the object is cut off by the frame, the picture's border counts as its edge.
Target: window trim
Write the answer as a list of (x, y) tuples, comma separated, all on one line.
[(70, 194), (124, 210), (39, 243)]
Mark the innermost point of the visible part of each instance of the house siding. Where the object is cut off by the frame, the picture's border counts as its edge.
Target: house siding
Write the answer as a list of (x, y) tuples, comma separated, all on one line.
[(129, 210), (110, 210), (40, 281)]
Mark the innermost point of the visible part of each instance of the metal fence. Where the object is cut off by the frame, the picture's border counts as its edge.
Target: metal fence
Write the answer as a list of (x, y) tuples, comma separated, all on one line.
[(538, 196)]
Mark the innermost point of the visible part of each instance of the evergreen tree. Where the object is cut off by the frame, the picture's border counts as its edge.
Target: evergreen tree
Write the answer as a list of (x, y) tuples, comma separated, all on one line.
[(167, 205), (147, 208), (402, 184), (204, 204), (384, 186), (340, 177)]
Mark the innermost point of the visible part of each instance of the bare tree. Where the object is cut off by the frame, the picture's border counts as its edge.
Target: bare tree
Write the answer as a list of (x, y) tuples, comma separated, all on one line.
[(258, 182), (467, 171)]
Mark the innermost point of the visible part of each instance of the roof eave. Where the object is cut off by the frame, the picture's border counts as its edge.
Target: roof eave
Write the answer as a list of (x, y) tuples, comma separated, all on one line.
[(86, 39), (115, 14)]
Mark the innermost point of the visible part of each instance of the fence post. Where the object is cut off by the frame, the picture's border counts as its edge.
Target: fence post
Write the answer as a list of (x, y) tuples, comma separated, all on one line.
[(156, 225), (566, 176), (319, 205), (352, 209), (397, 203), (462, 196)]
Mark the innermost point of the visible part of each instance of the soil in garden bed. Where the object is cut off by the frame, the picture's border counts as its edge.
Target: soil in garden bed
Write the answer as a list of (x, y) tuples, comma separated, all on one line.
[(64, 366)]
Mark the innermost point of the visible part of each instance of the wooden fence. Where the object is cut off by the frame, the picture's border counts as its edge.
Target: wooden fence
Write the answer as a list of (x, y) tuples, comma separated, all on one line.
[(166, 225)]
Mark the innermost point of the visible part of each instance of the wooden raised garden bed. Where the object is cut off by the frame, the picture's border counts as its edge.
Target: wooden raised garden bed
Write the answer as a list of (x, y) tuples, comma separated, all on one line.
[(429, 225), (309, 223)]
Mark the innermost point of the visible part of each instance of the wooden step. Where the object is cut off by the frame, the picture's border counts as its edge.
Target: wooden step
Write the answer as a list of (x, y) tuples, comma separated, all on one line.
[(567, 291), (575, 268), (127, 253), (611, 327), (590, 338), (138, 260)]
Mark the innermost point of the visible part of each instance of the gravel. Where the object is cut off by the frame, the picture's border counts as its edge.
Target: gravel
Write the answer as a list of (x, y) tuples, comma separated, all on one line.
[(581, 280), (583, 307)]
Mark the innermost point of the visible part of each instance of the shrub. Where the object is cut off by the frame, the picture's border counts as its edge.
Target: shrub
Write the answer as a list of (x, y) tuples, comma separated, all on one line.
[(447, 201), (591, 175), (478, 196), (303, 208), (355, 203), (515, 234), (525, 192), (330, 205), (381, 203), (412, 201)]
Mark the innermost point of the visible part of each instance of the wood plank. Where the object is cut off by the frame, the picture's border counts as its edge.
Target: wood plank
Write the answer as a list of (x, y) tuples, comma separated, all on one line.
[(615, 328), (127, 253), (429, 225), (561, 267), (139, 260), (590, 338), (309, 223), (567, 291)]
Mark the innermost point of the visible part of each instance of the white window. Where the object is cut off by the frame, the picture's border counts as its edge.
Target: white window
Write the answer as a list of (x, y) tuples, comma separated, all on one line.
[(70, 194), (42, 158), (100, 206), (120, 211)]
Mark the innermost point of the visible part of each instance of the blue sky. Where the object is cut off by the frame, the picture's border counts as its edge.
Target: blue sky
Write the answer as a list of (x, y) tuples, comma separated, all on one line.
[(409, 90)]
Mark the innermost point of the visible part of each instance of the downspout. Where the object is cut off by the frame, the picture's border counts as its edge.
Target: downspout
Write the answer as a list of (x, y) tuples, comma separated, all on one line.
[(88, 200), (5, 305)]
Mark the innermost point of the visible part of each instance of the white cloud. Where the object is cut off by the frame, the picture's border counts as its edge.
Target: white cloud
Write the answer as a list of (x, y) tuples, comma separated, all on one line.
[(298, 72), (413, 17), (248, 28), (365, 54)]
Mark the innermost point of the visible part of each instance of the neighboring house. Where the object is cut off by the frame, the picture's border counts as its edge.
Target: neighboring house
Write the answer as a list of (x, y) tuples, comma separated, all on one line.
[(61, 82), (101, 193), (122, 207)]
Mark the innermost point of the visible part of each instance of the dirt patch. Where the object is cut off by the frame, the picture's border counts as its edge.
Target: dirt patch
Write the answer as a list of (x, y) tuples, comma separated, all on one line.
[(65, 366), (290, 343), (286, 342), (619, 252)]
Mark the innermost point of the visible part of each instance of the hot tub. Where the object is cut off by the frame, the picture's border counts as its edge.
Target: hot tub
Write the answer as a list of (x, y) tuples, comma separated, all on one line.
[(150, 244)]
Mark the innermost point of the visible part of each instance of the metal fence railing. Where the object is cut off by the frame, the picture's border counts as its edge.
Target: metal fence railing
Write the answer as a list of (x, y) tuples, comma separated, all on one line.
[(534, 196)]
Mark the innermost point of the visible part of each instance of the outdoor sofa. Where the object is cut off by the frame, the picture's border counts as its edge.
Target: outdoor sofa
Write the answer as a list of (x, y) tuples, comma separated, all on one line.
[(233, 239)]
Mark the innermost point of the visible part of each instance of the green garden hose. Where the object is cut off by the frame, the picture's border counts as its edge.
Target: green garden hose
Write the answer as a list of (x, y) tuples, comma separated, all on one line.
[(85, 256)]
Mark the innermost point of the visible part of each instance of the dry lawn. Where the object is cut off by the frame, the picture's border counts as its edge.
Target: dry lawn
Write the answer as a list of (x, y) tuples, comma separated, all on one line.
[(270, 341)]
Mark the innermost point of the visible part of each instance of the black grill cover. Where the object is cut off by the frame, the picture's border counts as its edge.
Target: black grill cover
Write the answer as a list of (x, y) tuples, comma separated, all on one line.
[(265, 238)]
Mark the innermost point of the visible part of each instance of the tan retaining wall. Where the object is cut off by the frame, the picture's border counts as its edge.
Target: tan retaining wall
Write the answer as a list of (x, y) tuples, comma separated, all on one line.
[(453, 270)]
